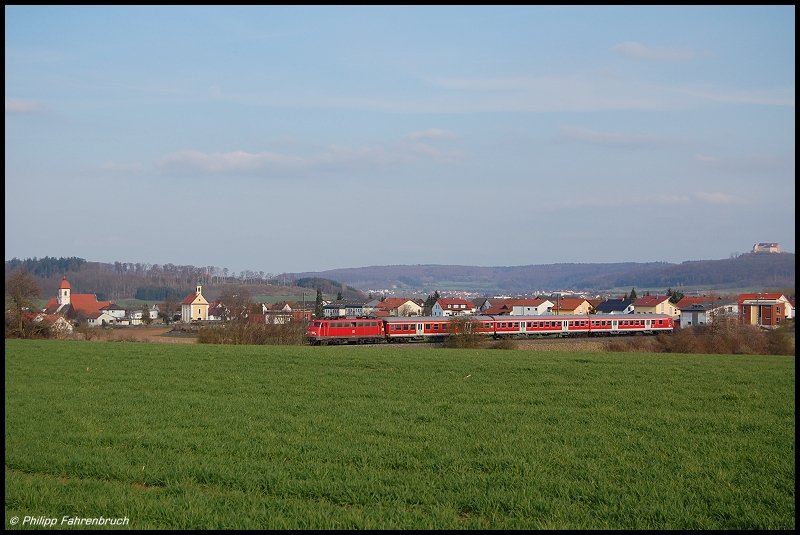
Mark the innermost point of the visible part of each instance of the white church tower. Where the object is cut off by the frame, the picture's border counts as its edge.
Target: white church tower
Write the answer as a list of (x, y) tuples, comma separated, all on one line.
[(63, 292)]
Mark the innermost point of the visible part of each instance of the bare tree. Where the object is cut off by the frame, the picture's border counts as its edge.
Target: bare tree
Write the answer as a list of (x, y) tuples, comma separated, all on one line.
[(237, 301), (22, 288)]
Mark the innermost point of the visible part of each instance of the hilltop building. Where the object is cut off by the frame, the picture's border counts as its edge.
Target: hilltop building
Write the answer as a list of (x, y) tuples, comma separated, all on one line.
[(767, 247)]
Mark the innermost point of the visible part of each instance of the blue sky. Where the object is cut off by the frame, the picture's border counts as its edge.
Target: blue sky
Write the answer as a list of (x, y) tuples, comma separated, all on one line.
[(285, 139)]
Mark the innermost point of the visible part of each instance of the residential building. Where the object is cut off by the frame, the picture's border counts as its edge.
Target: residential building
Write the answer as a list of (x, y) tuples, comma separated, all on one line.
[(519, 306), (571, 305), (788, 305), (656, 304), (343, 309), (286, 312), (764, 310), (453, 307), (693, 314), (399, 306), (615, 306)]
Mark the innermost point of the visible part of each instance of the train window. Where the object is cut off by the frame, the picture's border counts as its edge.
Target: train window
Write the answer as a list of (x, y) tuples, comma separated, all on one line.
[(435, 326)]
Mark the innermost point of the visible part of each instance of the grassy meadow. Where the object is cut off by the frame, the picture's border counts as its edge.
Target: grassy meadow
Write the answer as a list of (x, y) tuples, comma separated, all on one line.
[(396, 437)]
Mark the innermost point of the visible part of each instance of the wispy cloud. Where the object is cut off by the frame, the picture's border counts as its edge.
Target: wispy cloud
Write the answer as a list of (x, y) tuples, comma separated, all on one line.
[(749, 163), (113, 167), (558, 93), (16, 105), (586, 135), (687, 199), (716, 197), (432, 133), (333, 157), (235, 161), (777, 97), (635, 50)]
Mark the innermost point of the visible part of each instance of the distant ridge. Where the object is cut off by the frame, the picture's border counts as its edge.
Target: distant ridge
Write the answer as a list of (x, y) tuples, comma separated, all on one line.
[(755, 271), (751, 272)]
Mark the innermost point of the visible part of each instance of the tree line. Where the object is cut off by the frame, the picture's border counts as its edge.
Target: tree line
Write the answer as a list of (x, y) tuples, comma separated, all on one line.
[(123, 280)]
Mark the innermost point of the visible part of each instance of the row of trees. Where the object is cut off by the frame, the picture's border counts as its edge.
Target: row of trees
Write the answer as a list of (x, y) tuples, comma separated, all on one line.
[(123, 280), (674, 295)]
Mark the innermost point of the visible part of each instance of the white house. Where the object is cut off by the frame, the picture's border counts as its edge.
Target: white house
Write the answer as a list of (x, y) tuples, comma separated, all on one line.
[(453, 307), (696, 314), (114, 310), (99, 319), (532, 307)]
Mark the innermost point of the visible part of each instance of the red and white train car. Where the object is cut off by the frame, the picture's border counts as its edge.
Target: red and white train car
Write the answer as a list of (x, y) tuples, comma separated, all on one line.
[(436, 328), (433, 328)]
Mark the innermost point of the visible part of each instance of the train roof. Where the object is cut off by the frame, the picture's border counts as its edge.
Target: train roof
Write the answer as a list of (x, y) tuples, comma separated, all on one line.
[(540, 317)]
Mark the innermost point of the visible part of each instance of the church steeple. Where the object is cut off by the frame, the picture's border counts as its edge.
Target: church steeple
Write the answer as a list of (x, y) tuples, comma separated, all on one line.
[(63, 292)]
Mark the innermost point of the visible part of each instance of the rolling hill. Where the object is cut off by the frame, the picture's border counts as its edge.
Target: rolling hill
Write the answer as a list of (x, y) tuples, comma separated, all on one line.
[(749, 271)]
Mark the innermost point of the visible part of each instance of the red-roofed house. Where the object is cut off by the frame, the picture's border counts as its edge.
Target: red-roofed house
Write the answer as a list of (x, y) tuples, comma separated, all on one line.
[(194, 307), (766, 310), (285, 312), (656, 304), (571, 305), (76, 307), (58, 325), (453, 307), (399, 306)]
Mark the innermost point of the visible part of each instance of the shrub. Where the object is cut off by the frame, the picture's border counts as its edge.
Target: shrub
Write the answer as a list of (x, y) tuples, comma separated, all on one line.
[(245, 333), (724, 336), (504, 343)]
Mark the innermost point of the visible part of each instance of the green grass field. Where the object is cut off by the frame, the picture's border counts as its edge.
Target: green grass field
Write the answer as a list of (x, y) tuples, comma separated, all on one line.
[(268, 437)]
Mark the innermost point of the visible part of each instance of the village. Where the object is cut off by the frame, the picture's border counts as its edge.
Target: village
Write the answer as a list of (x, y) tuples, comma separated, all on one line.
[(68, 310)]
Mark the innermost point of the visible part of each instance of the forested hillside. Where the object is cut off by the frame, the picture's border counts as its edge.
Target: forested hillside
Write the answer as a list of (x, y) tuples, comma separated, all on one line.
[(161, 282), (756, 271)]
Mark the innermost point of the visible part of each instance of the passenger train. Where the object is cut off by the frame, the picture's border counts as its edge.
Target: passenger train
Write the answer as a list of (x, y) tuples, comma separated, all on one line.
[(437, 328)]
